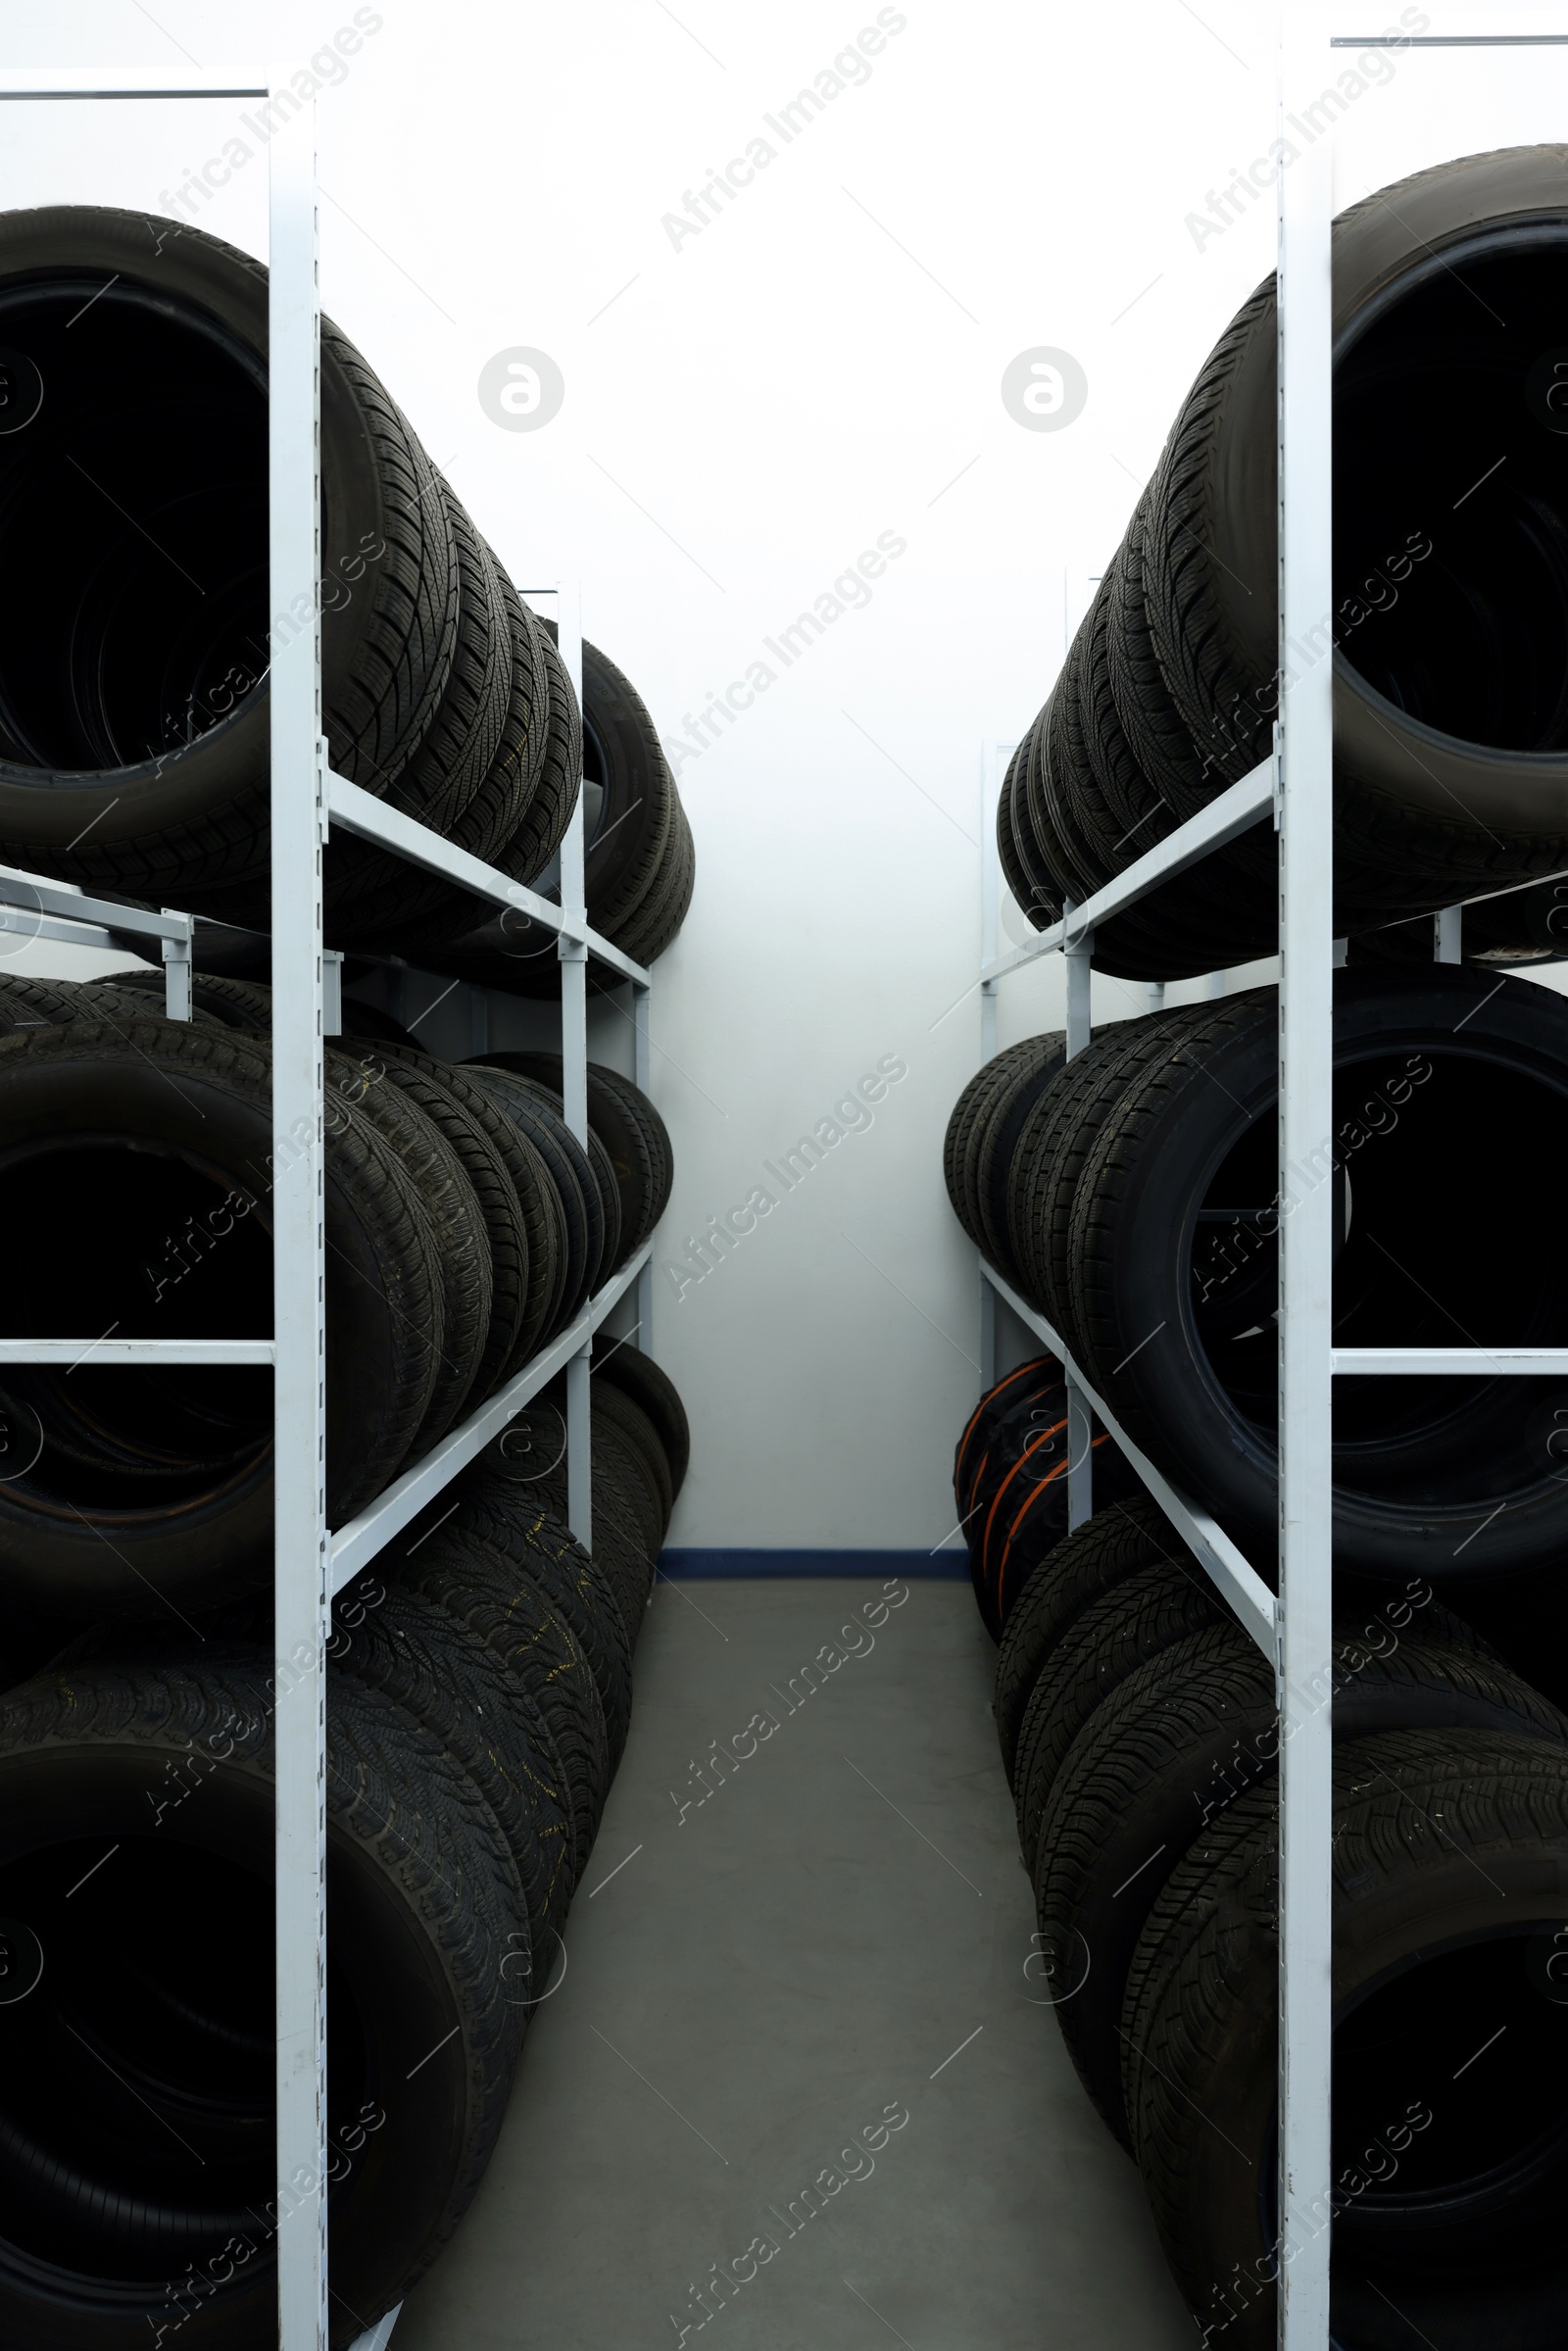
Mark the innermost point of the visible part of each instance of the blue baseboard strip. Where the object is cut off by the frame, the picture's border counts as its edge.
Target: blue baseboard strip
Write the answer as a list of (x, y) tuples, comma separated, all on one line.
[(696, 1566)]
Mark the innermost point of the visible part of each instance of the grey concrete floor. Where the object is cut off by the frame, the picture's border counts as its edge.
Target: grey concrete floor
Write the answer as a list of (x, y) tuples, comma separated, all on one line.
[(759, 1986)]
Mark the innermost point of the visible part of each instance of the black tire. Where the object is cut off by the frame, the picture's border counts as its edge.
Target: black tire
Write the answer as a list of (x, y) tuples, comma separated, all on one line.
[(1054, 1141), (549, 808), (972, 1449), (636, 812), (368, 894), (632, 1131), (418, 910), (1182, 1737), (438, 1669), (1173, 1317), (621, 1537), (1013, 870), (507, 1608), (238, 1004), (1027, 1443), (619, 1532), (244, 1000), (613, 1409), (31, 1003), (653, 929), (627, 1467), (153, 1487), (502, 1513), (187, 454), (641, 865), (994, 1140), (538, 1203), (1095, 1560), (570, 1173), (510, 950), (651, 1387), (958, 1144), (435, 1173), (1449, 737), (545, 1084), (1043, 875), (505, 1233), (1068, 861), (1020, 1498), (1450, 1889), (624, 1462), (1151, 1611), (107, 2203)]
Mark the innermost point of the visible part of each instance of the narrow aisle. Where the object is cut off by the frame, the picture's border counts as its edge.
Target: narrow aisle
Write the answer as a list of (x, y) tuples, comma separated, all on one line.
[(760, 1985)]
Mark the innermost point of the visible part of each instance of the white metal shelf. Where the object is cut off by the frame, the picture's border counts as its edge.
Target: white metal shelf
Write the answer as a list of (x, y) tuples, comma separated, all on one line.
[(311, 1561), (1294, 1630), (355, 1544), (1235, 812), (356, 811)]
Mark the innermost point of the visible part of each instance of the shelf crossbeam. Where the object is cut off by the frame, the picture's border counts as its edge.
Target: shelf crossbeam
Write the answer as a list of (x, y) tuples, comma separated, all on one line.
[(121, 81), (73, 1352), (1453, 1362), (355, 811), (357, 1544), (1233, 812), (37, 890)]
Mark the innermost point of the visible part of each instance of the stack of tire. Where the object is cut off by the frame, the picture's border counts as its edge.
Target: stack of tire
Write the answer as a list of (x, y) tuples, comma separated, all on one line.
[(479, 1674), (133, 697), (478, 1694), (465, 1227), (1448, 633), (1138, 1208), (1132, 1196), (1138, 1727)]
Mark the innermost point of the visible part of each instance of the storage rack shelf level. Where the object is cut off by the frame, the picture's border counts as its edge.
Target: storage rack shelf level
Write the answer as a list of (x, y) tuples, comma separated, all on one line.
[(1295, 786), (312, 1560)]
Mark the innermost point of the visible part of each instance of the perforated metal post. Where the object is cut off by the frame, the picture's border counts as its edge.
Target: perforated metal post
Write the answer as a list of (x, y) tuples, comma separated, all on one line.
[(1078, 954), (642, 1067), (1306, 1201), (574, 1070), (297, 1246), (990, 927)]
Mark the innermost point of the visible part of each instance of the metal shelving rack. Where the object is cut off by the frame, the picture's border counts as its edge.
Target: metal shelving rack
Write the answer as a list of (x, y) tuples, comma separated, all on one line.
[(314, 1561), (1295, 1631)]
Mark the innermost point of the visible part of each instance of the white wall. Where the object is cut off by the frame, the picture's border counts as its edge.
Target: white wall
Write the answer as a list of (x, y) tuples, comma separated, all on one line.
[(745, 412)]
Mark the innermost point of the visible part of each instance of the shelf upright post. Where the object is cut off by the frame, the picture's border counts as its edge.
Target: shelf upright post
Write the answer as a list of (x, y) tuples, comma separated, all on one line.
[(1306, 1199), (297, 788), (642, 1071), (1078, 954), (990, 926), (573, 955)]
